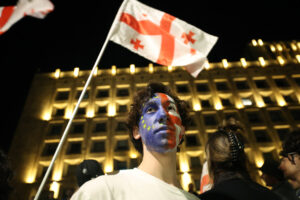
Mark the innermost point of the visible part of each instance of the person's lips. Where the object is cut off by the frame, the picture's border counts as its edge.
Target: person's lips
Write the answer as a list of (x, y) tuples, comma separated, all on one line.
[(164, 129)]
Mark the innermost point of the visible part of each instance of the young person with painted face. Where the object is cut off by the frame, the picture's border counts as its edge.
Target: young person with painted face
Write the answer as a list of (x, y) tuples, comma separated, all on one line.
[(156, 122), (229, 168)]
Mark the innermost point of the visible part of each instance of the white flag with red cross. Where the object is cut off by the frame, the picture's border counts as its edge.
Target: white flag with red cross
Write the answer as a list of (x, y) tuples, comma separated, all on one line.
[(9, 15), (205, 181), (162, 38)]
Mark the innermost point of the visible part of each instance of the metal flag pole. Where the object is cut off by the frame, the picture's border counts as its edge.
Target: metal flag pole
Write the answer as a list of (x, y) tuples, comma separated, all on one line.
[(64, 136)]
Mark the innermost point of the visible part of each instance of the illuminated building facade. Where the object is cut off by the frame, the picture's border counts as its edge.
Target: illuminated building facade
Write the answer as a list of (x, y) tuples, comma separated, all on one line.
[(263, 93)]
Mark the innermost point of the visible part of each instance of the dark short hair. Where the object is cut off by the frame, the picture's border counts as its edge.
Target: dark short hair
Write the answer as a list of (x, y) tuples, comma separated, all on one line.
[(141, 97), (292, 142)]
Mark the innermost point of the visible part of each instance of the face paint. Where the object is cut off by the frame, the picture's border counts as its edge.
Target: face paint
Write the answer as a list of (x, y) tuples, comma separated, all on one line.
[(160, 124)]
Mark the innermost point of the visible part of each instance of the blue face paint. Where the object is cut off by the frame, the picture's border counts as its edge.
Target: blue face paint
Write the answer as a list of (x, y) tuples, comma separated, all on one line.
[(160, 124)]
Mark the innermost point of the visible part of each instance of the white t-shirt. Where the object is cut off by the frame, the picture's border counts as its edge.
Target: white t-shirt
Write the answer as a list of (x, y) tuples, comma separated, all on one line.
[(131, 184)]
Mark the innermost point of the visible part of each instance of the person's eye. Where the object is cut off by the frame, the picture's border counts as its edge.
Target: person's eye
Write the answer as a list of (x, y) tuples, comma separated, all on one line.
[(150, 110), (172, 107)]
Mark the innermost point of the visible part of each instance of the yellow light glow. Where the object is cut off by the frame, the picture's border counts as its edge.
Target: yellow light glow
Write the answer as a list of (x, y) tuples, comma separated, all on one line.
[(225, 63), (76, 72), (280, 60), (244, 62), (111, 110), (57, 73), (218, 106), (260, 104), (259, 161), (281, 102), (133, 155), (90, 113), (30, 178), (108, 168), (272, 47), (298, 58), (186, 180), (57, 175), (113, 70), (68, 114), (294, 47), (170, 68), (279, 47), (46, 116), (298, 44), (132, 69), (239, 106), (262, 61), (206, 65), (96, 71), (254, 43), (151, 68), (260, 42), (197, 107), (55, 188), (184, 166)]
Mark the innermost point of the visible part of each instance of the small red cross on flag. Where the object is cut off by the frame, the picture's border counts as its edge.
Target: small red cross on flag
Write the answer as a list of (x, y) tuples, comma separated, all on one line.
[(136, 44), (162, 38)]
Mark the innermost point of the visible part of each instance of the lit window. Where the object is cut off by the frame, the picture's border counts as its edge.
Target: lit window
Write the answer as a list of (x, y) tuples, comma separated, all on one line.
[(247, 101)]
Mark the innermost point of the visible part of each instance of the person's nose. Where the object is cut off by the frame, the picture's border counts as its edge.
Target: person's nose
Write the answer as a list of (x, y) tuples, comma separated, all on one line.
[(162, 115)]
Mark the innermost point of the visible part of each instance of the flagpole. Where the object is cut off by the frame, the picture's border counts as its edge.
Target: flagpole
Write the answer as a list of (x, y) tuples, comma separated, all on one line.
[(64, 136)]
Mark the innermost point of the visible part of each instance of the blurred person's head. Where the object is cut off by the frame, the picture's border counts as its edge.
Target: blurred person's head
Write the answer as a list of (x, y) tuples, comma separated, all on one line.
[(87, 170), (157, 113), (225, 152), (271, 174), (290, 162)]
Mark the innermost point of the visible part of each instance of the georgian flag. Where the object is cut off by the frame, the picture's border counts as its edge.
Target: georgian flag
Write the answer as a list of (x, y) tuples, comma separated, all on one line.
[(162, 38), (205, 181), (11, 14)]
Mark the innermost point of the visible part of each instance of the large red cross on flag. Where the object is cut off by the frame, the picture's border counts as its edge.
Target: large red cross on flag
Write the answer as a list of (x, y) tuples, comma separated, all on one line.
[(11, 14), (164, 39)]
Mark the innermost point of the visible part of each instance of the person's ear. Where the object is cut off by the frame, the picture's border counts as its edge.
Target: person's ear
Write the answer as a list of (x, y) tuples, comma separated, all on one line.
[(136, 134)]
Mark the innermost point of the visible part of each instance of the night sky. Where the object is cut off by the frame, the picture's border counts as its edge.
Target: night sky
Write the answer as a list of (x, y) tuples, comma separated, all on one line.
[(72, 35)]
